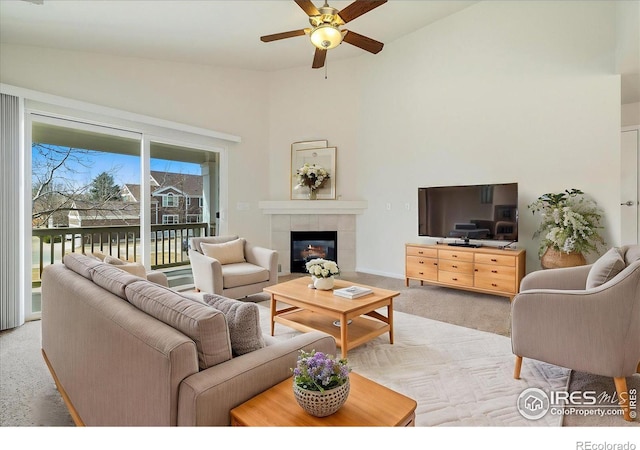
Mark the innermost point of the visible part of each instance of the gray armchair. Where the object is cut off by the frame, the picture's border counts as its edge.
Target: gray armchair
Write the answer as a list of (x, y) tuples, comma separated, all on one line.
[(253, 269), (584, 318)]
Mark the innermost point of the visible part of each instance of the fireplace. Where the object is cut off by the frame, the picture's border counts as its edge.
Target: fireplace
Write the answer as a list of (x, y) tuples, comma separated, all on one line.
[(308, 245)]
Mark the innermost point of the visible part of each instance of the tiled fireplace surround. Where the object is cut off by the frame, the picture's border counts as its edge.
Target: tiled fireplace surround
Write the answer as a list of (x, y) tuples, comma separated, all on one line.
[(314, 215)]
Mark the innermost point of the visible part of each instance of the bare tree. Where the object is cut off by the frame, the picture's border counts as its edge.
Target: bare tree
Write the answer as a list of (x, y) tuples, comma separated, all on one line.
[(57, 186)]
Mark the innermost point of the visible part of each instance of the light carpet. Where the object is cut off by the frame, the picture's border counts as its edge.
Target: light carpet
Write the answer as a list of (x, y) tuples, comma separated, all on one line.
[(457, 375)]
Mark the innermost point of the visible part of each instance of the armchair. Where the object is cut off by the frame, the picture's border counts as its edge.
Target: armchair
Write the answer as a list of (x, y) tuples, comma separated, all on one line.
[(231, 267), (584, 318)]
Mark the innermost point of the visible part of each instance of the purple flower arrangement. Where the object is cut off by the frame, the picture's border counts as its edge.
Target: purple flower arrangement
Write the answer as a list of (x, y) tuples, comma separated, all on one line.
[(316, 371)]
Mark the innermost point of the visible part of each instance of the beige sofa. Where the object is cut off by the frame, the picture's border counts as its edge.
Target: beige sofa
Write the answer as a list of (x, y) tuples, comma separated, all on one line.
[(125, 351)]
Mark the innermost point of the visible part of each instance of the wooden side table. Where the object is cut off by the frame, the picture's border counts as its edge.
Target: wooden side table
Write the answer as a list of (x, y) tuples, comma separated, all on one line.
[(369, 404)]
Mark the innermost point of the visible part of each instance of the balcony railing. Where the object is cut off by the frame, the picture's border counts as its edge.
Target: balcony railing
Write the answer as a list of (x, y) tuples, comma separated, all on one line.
[(169, 244)]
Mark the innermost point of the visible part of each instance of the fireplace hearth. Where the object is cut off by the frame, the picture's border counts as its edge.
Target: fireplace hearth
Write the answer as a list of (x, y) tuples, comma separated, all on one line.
[(308, 245)]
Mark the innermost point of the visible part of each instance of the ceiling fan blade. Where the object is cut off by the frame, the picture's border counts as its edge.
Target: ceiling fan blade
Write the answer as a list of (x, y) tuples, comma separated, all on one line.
[(285, 35), (308, 7), (319, 58), (363, 42), (358, 8)]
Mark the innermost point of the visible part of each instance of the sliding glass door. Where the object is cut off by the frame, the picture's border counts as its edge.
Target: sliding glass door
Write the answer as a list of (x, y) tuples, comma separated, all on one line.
[(100, 189)]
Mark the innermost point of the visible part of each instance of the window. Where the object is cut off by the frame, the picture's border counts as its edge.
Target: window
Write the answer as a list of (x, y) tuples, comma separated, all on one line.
[(170, 219), (194, 218), (169, 200), (188, 201), (201, 202)]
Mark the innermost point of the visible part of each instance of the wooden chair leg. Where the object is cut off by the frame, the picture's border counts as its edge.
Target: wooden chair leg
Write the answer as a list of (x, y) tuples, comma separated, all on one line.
[(518, 367), (638, 368), (623, 395)]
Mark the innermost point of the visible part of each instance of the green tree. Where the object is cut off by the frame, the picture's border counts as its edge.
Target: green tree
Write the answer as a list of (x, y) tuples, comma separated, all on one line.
[(103, 188)]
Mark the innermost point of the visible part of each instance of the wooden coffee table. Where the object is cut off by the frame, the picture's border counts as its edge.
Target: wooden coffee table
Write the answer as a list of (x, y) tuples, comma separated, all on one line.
[(351, 322), (369, 404)]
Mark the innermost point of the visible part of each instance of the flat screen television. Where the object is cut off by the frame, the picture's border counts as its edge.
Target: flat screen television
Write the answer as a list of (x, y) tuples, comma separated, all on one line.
[(469, 213)]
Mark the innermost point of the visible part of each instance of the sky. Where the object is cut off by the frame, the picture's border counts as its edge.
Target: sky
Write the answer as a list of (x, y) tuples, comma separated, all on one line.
[(124, 168)]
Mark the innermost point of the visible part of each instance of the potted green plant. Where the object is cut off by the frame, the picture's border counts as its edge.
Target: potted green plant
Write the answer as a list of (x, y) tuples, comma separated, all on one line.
[(570, 228)]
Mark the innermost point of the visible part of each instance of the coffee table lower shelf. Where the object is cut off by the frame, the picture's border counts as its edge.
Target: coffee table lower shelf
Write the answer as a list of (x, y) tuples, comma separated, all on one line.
[(361, 329), (369, 404)]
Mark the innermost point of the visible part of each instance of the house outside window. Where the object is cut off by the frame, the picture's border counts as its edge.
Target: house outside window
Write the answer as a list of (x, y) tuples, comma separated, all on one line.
[(200, 202), (169, 200), (188, 201), (170, 219), (194, 218)]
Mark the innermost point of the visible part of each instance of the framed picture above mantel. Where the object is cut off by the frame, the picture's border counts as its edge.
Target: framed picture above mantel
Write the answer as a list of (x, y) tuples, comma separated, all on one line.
[(304, 153)]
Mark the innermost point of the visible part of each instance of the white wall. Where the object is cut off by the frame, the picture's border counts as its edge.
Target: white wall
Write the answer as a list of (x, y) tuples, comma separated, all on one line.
[(630, 114), (229, 101), (500, 92)]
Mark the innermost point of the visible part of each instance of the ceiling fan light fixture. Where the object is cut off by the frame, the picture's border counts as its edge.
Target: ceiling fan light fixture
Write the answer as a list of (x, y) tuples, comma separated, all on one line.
[(326, 36)]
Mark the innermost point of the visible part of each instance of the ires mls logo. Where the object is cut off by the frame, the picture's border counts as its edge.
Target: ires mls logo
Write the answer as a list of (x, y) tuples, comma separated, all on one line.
[(533, 403)]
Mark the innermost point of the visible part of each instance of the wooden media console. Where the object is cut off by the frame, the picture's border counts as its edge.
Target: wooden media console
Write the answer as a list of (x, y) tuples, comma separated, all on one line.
[(485, 269)]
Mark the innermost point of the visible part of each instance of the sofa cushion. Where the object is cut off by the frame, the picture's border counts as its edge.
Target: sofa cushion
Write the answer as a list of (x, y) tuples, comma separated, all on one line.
[(112, 279), (80, 264), (196, 242), (227, 253), (243, 274), (136, 269), (605, 268), (243, 319), (205, 325)]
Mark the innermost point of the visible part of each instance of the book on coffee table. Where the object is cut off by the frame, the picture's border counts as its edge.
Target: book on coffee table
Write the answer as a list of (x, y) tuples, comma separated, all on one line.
[(352, 292)]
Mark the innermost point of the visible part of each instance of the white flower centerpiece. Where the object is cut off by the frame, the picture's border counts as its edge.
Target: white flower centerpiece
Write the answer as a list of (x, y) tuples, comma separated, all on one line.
[(322, 272), (313, 177)]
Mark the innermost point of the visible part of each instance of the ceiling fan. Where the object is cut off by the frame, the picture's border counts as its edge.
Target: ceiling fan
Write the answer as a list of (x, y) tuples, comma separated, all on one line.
[(325, 32)]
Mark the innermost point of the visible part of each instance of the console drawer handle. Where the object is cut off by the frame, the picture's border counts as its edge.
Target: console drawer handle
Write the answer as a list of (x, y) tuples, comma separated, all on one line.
[(494, 260), (454, 279), (421, 253), (494, 285), (494, 271), (421, 262), (454, 266)]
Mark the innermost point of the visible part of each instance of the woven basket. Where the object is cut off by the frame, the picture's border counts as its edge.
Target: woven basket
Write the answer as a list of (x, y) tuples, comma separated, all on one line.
[(321, 404), (553, 259)]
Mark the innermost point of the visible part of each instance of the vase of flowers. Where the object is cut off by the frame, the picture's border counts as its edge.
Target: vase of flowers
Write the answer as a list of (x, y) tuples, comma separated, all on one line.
[(320, 383), (569, 228), (322, 272), (313, 177)]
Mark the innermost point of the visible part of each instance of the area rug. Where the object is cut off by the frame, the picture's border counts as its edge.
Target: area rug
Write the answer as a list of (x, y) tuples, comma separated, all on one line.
[(457, 375)]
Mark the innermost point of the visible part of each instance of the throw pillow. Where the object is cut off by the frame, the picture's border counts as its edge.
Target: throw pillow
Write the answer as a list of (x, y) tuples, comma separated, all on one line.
[(243, 320), (605, 268), (227, 253), (136, 269), (113, 260), (101, 256)]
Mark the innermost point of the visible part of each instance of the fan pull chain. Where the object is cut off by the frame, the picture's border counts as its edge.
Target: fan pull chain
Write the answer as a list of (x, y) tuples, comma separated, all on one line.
[(325, 69)]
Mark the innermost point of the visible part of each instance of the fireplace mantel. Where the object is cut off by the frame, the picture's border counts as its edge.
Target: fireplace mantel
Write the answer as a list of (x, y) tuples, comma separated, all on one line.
[(313, 206)]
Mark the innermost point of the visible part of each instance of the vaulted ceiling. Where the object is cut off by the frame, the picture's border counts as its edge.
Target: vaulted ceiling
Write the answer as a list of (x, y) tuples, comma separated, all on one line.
[(221, 33)]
